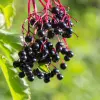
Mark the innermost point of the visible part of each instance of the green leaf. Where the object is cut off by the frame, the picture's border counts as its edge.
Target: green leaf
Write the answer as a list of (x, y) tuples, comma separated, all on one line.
[(5, 52), (5, 2), (44, 68), (11, 39), (9, 13), (18, 87)]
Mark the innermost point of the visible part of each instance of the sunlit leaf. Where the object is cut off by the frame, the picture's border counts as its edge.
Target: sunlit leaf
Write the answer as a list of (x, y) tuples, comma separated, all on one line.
[(18, 87), (5, 2), (44, 68), (11, 39), (9, 13)]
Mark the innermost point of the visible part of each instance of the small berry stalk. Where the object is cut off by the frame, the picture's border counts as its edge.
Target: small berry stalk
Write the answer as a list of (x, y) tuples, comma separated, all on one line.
[(52, 22)]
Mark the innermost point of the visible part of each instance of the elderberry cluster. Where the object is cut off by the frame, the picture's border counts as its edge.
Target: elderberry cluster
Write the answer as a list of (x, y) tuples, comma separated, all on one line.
[(60, 25), (38, 50)]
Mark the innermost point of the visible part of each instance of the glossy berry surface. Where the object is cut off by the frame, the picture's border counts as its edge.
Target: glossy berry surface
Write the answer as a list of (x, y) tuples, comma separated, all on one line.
[(30, 79), (63, 66), (22, 53), (32, 21), (16, 64), (46, 80), (41, 33), (64, 50), (35, 46), (47, 26), (55, 10), (59, 76), (66, 58), (70, 54), (51, 34), (28, 38), (21, 75)]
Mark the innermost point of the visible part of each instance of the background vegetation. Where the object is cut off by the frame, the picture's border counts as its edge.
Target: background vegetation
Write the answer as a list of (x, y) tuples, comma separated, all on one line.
[(81, 80)]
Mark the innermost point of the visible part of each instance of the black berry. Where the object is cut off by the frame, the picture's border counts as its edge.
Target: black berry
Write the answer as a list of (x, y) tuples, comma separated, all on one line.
[(59, 76), (63, 66)]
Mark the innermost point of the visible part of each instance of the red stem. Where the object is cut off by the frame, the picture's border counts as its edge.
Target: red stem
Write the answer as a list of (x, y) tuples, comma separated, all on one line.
[(55, 2), (29, 4), (64, 39), (42, 3), (34, 6), (59, 2)]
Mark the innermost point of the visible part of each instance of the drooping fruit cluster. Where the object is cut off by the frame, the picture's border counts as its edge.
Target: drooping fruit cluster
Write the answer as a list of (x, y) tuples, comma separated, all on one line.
[(53, 22)]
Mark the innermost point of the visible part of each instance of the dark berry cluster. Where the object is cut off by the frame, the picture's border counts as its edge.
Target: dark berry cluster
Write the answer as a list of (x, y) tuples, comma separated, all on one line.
[(38, 50)]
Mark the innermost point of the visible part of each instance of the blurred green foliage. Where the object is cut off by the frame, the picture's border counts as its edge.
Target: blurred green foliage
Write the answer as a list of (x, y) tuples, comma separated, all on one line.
[(82, 79)]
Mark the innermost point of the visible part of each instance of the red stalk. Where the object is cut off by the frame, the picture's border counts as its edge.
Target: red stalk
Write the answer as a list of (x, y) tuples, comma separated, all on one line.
[(34, 6), (64, 39), (42, 3), (29, 4)]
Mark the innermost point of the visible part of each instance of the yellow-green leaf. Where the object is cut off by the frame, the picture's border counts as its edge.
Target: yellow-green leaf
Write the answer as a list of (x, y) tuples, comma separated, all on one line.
[(44, 68), (19, 89), (9, 13), (5, 2)]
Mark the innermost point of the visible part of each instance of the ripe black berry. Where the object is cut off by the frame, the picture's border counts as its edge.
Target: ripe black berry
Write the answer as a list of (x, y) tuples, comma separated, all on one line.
[(54, 25), (70, 54), (50, 34), (41, 33), (31, 78), (55, 70), (39, 41), (64, 50), (55, 58), (21, 75), (35, 46), (47, 26), (49, 45), (22, 53), (27, 69), (59, 76), (69, 30), (46, 80), (29, 74), (23, 58), (52, 52), (58, 31), (40, 75), (66, 58), (32, 21), (34, 59), (16, 64), (66, 35), (55, 10), (28, 49), (30, 54), (59, 16), (63, 66), (59, 44), (58, 49), (28, 38), (62, 25), (52, 74), (38, 26)]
